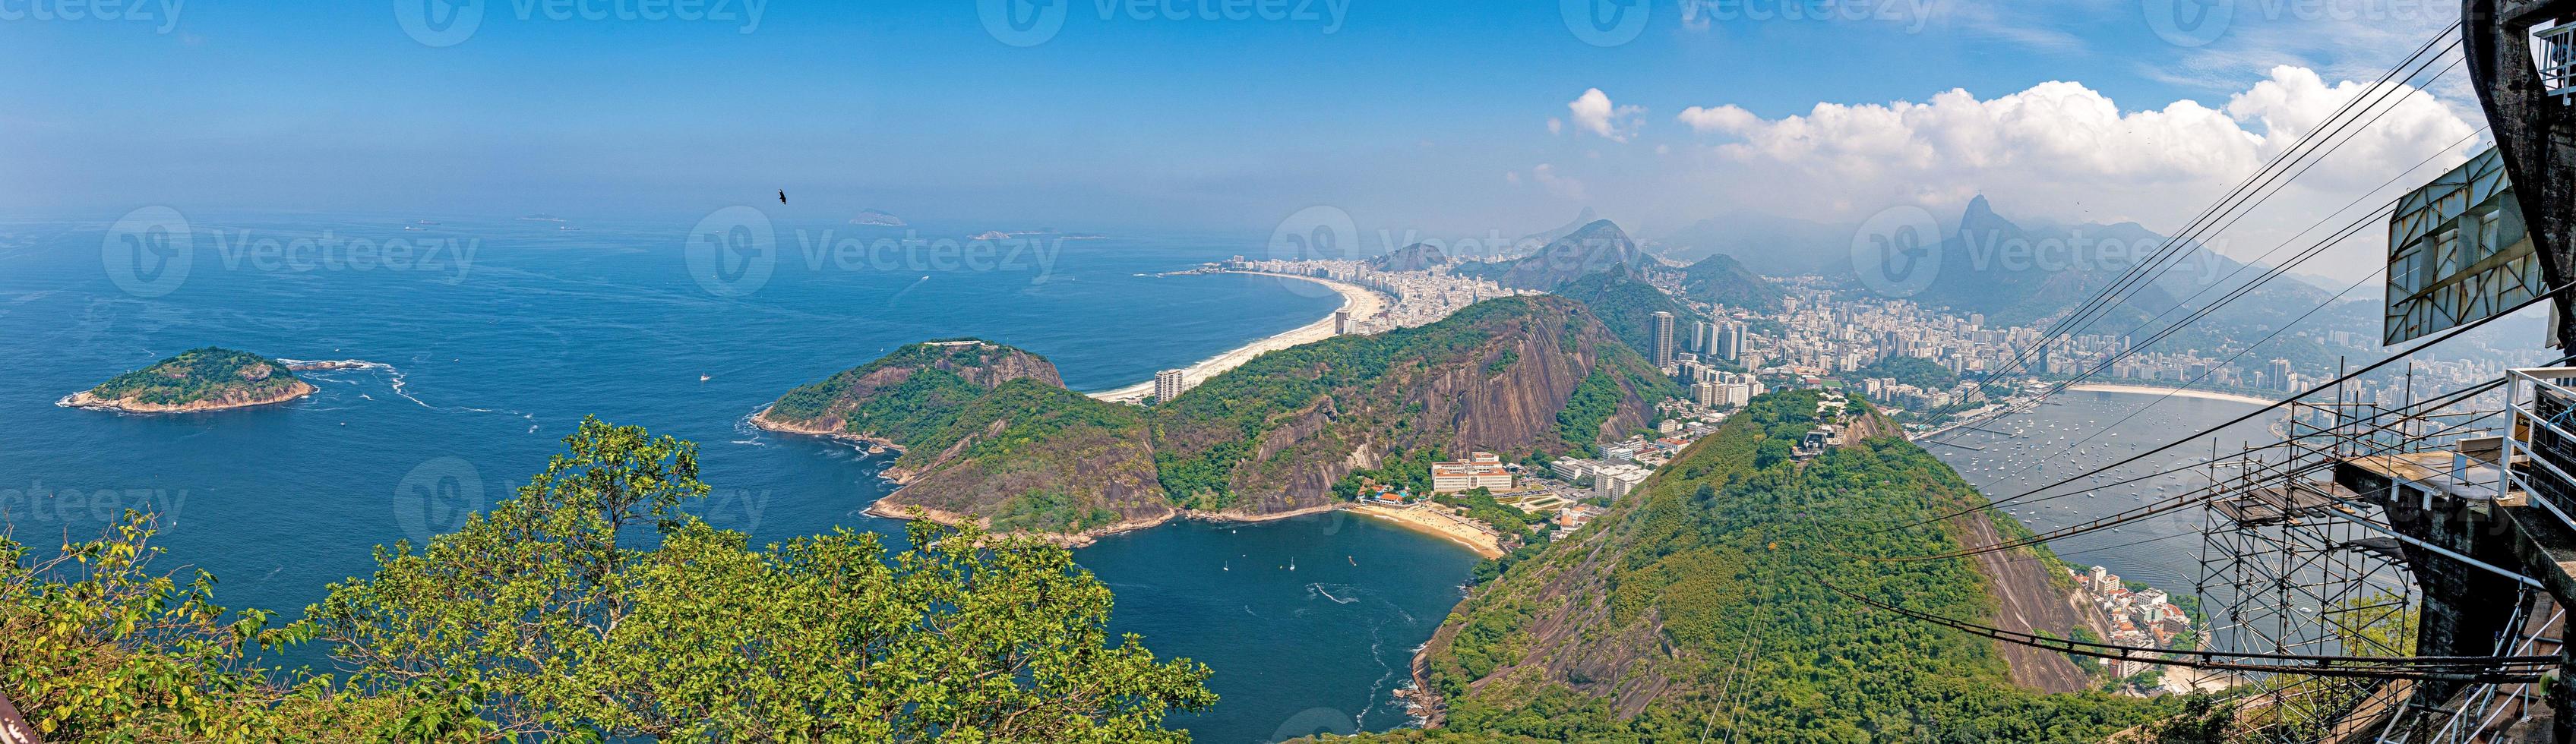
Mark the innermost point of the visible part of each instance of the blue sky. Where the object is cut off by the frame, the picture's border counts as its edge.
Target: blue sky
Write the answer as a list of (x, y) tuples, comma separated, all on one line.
[(1428, 115)]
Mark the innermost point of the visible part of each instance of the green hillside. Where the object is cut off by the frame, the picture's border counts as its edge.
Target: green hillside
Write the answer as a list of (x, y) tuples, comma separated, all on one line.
[(1700, 605)]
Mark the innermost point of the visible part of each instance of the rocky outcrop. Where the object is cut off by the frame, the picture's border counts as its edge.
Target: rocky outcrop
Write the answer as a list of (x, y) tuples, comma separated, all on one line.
[(1037, 458), (988, 433), (204, 379), (829, 406), (217, 402), (1493, 378)]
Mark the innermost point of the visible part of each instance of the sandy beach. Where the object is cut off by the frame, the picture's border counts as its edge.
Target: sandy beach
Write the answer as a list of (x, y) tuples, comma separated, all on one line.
[(2104, 387), (1456, 529), (1360, 302)]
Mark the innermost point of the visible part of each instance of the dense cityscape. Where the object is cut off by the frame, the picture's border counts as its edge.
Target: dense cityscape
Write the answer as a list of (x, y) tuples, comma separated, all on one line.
[(1825, 333)]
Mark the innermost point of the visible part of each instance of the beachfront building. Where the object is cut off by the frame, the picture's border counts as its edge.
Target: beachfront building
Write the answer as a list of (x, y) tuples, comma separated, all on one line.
[(1479, 470), (1169, 384), (1614, 481)]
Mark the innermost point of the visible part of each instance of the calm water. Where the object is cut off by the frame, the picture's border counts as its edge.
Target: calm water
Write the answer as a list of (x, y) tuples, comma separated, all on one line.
[(2043, 447), (491, 357)]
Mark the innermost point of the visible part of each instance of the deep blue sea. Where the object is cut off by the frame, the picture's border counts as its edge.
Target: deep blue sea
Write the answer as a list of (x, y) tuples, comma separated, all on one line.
[(497, 334)]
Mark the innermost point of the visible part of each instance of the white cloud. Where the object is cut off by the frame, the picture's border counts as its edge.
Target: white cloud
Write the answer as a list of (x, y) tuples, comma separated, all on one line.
[(1593, 112), (1555, 125), (2061, 151)]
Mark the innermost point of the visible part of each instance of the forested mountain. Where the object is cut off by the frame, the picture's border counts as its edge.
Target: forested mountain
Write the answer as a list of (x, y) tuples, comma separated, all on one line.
[(1701, 602), (1723, 281), (1628, 306)]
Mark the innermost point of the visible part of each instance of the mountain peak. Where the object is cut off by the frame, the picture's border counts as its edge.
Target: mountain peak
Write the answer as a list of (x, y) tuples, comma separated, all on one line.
[(1597, 229)]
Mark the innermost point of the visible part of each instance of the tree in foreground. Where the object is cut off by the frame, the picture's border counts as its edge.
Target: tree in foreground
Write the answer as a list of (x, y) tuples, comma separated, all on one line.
[(590, 607)]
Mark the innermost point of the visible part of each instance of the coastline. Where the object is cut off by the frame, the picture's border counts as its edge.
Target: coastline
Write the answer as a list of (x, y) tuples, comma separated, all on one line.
[(2109, 387), (1083, 539), (86, 401), (760, 420), (904, 512), (1360, 302), (1441, 525)]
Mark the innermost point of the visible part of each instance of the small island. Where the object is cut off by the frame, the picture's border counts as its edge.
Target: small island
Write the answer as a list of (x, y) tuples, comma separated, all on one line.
[(207, 379)]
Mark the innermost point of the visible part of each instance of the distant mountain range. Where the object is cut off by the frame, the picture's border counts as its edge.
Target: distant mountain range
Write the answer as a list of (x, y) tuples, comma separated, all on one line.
[(1544, 237), (1415, 257), (1596, 246), (876, 218), (1766, 244)]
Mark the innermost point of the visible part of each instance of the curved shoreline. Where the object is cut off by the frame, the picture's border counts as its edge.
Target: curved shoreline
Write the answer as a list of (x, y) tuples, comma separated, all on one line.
[(1360, 302), (2109, 387), (904, 512), (1444, 526)]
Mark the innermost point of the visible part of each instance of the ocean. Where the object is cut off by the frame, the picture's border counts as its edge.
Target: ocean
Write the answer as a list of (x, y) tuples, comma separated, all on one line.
[(2076, 432), (494, 337)]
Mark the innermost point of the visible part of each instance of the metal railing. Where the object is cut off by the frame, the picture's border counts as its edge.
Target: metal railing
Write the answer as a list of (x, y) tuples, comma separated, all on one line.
[(2535, 454), (2557, 58)]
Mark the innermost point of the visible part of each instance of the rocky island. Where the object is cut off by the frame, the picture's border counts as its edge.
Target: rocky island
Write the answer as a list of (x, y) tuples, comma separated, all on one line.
[(206, 379)]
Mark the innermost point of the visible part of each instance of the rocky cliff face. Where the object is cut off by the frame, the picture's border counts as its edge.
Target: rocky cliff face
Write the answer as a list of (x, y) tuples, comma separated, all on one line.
[(989, 433), (1493, 378)]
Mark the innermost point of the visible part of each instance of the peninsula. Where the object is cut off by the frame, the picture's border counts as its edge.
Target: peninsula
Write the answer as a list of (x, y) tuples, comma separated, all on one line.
[(988, 433), (206, 379)]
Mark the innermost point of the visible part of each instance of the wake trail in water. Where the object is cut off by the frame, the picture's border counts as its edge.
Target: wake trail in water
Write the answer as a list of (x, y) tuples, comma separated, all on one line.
[(1318, 588), (395, 378)]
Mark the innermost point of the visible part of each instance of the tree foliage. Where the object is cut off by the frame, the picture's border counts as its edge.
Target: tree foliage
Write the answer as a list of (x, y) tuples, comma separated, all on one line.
[(591, 607)]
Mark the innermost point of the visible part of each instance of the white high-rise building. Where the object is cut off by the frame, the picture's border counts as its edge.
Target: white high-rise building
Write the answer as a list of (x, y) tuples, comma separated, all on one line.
[(1169, 384), (1663, 339)]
